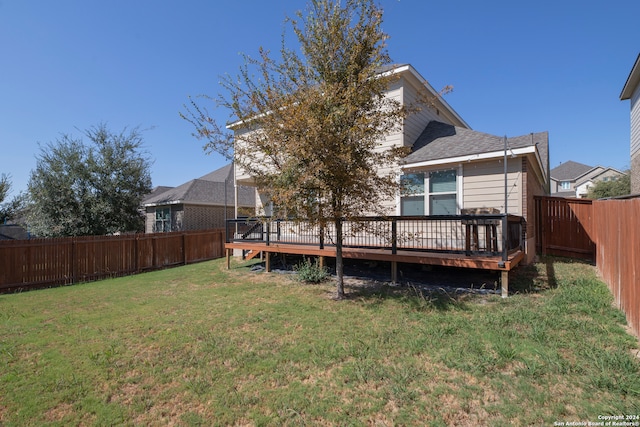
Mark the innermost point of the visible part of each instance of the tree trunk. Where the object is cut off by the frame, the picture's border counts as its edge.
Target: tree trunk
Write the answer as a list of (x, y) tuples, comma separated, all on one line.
[(339, 264)]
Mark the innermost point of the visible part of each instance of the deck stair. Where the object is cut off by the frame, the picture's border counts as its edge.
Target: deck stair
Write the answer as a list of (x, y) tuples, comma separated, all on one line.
[(251, 254)]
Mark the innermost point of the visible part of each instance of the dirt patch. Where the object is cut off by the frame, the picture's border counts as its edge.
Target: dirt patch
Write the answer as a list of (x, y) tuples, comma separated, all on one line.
[(58, 412), (359, 274)]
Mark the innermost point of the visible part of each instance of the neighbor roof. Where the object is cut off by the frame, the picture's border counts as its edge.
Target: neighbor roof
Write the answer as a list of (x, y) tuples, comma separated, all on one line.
[(13, 232), (569, 171), (632, 81), (595, 176), (441, 141), (208, 189), (219, 175)]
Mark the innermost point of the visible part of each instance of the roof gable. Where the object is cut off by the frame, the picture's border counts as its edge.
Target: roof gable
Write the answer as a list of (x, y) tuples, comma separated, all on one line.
[(597, 173), (632, 81), (400, 69), (219, 175)]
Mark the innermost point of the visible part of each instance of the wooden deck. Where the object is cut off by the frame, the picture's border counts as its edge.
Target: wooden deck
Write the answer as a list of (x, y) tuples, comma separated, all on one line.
[(494, 263)]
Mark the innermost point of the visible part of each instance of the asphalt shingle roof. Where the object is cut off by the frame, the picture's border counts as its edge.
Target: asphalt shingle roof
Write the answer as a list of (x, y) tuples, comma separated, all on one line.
[(208, 189), (441, 140), (569, 171)]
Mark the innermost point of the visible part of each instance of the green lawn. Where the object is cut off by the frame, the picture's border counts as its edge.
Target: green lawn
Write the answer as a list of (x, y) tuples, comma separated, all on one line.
[(200, 345)]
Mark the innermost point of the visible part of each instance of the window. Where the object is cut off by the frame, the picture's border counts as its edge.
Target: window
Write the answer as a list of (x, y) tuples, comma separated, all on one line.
[(163, 220), (437, 188), (565, 185), (412, 200), (442, 193)]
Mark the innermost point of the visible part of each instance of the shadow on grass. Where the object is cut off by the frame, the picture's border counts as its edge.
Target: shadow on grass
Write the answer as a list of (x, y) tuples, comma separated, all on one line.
[(422, 286), (540, 276), (415, 297), (418, 286)]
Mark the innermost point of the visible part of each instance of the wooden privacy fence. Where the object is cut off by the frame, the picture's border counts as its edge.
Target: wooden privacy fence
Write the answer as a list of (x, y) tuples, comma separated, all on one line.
[(565, 227), (617, 237), (606, 232), (47, 262)]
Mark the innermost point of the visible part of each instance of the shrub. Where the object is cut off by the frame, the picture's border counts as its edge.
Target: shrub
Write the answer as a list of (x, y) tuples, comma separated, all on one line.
[(311, 272)]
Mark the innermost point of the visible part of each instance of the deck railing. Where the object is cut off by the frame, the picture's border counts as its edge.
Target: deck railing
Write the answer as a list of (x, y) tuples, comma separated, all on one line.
[(480, 235)]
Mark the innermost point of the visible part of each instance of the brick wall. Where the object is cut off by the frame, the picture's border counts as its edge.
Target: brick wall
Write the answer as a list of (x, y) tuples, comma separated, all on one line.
[(190, 217), (205, 217)]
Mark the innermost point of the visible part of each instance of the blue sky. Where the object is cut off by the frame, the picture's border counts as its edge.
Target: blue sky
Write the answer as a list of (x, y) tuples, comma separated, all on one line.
[(516, 67)]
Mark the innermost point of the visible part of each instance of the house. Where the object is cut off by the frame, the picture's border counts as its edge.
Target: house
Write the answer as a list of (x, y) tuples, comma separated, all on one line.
[(573, 179), (631, 91), (452, 168), (198, 204)]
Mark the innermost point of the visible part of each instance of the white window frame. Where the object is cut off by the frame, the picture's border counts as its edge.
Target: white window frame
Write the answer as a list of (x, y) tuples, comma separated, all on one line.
[(427, 194), (565, 185), (420, 194)]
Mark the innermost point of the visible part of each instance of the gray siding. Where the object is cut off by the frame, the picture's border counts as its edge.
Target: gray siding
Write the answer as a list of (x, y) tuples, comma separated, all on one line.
[(415, 123), (635, 122), (635, 141)]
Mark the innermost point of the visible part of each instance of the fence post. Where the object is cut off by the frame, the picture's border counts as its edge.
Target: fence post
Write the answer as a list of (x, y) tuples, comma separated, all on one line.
[(268, 228), (136, 255), (154, 250), (74, 269), (321, 236), (184, 248)]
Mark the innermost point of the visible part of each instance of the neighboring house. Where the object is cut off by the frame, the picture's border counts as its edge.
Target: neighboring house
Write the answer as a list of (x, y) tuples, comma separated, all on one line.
[(198, 204), (631, 91), (573, 179), (453, 169)]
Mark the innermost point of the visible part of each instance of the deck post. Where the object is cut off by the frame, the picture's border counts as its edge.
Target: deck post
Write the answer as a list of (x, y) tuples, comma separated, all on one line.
[(505, 240), (228, 258), (321, 261), (504, 283), (394, 272), (267, 262), (394, 236), (268, 227)]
